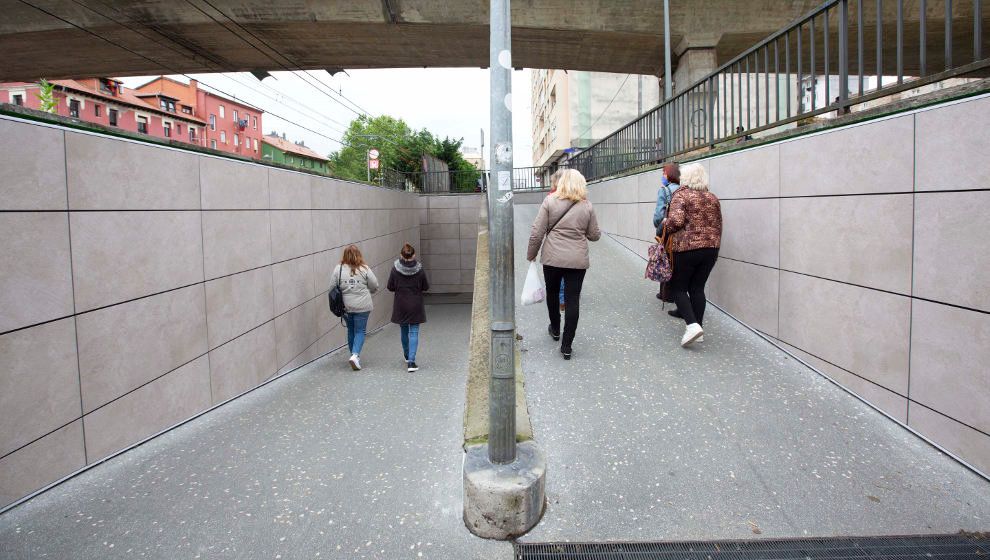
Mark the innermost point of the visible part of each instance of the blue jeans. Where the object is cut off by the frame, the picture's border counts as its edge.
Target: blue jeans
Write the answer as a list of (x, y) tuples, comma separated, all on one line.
[(410, 340), (562, 291), (356, 325)]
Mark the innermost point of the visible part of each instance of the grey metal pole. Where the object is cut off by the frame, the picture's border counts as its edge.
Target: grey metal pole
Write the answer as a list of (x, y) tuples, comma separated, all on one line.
[(502, 377), (666, 76), (367, 163)]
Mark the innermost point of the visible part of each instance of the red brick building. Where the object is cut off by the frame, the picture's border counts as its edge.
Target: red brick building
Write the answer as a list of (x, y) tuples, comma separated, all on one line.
[(106, 101)]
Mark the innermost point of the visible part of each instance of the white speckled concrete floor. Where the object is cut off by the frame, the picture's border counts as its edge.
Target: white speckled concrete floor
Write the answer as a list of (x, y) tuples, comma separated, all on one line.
[(322, 463), (729, 438)]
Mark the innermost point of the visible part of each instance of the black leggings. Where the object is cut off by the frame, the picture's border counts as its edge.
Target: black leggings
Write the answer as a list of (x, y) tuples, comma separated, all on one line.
[(687, 286), (573, 278)]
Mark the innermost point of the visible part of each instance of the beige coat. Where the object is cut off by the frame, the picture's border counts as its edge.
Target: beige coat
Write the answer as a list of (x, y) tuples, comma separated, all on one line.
[(567, 245)]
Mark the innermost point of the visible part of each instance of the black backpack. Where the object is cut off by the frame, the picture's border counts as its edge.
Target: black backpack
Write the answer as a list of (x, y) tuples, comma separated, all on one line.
[(337, 297)]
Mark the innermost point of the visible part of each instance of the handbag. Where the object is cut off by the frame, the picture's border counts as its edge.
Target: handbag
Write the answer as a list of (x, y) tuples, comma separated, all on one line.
[(336, 297), (658, 266)]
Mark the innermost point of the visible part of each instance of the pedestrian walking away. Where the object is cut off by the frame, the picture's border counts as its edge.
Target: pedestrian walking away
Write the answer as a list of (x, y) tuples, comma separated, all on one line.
[(694, 220), (408, 281), (554, 179), (357, 283), (564, 224), (669, 182)]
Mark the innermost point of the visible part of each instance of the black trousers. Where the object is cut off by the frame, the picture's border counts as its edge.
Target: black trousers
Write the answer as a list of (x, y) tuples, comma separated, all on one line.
[(573, 279), (687, 285)]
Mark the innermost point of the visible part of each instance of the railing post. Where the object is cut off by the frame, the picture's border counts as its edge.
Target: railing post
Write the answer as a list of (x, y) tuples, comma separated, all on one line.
[(843, 55)]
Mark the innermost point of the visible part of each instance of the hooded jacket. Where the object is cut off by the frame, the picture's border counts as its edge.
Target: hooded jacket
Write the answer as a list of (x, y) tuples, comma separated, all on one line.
[(408, 281)]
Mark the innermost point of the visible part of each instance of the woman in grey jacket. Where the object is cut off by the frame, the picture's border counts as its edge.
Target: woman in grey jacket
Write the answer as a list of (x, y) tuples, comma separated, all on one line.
[(357, 283), (567, 222)]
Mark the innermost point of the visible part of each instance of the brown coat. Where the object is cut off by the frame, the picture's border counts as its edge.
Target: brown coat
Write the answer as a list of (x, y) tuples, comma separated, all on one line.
[(567, 245), (695, 218)]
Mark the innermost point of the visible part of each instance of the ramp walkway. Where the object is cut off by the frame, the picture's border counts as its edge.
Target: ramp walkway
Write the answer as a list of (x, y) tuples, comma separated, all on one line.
[(645, 441)]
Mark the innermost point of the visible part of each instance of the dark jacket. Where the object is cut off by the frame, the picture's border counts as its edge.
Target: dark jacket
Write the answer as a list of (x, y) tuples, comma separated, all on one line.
[(695, 218), (408, 281)]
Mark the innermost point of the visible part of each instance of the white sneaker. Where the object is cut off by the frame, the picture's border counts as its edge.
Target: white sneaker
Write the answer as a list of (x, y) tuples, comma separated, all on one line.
[(691, 334), (355, 362), (701, 338)]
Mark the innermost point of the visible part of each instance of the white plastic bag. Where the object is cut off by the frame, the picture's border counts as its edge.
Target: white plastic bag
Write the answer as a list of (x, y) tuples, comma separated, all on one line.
[(532, 291)]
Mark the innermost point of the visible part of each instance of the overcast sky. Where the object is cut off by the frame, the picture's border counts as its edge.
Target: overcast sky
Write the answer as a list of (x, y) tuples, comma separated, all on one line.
[(447, 101)]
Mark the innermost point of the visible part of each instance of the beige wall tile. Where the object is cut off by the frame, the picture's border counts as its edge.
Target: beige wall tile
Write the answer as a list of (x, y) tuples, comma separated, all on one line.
[(951, 256), (625, 189), (243, 363), (442, 231), (424, 215), (747, 291), (127, 345), (444, 216), (965, 442), (39, 382), (102, 175), (331, 193), (442, 277), (294, 332), (326, 229), (469, 246), (32, 468), (469, 214), (233, 185), (294, 283), (35, 272), (117, 256), (950, 350), (473, 201), (893, 404), (290, 190), (626, 226), (31, 181), (469, 231), (443, 246), (238, 303), (746, 174), (951, 143), (608, 217), (441, 201), (648, 185), (883, 151), (149, 410), (236, 241), (861, 330), (751, 231), (863, 240), (442, 262), (292, 234), (644, 221)]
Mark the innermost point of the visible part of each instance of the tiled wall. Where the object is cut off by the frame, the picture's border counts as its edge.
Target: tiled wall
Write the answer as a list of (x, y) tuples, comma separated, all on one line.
[(864, 250), (449, 230), (140, 285)]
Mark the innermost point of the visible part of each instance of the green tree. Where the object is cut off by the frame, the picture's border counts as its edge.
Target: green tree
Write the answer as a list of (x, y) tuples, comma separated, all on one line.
[(400, 148), (49, 103)]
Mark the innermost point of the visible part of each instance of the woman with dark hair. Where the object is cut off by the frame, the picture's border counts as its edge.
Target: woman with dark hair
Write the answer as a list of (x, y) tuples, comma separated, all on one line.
[(357, 284), (670, 181), (408, 281), (694, 221)]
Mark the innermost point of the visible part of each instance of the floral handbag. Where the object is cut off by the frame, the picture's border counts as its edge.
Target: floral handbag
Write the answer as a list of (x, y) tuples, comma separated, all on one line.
[(658, 266)]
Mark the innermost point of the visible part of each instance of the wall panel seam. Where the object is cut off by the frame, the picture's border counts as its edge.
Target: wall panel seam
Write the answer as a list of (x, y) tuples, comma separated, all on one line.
[(206, 305), (72, 282)]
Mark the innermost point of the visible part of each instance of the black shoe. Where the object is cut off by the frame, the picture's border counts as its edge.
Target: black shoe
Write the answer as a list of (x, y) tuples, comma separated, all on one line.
[(411, 367), (659, 295), (674, 313), (566, 352), (553, 334)]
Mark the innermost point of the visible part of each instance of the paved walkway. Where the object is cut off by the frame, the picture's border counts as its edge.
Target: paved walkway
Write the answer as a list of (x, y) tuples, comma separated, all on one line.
[(729, 438), (322, 463)]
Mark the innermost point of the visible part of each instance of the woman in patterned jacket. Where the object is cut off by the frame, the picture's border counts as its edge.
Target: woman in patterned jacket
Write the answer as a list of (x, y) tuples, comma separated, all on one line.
[(695, 218)]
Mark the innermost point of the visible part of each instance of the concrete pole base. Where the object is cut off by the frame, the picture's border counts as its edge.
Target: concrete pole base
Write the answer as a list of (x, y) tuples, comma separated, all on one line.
[(504, 501)]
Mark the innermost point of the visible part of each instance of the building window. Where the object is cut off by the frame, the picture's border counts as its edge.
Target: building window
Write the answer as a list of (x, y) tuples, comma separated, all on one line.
[(213, 144), (237, 141), (142, 124), (167, 127), (96, 110), (254, 121), (187, 109), (192, 134), (171, 106), (74, 108), (223, 136), (178, 129), (113, 117), (235, 115), (18, 100), (255, 145), (221, 111), (213, 122), (163, 104)]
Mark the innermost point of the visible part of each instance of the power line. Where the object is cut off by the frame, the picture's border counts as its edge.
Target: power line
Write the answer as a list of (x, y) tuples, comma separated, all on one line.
[(600, 115), (176, 72)]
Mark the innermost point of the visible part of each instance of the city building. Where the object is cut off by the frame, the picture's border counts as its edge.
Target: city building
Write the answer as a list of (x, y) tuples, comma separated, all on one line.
[(106, 101), (473, 156), (231, 126), (279, 150), (575, 109)]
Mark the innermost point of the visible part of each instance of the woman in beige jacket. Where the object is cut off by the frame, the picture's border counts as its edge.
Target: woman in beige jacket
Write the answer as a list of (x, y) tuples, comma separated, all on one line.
[(564, 225)]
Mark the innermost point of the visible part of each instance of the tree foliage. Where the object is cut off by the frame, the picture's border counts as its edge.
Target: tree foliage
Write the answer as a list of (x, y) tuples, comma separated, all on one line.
[(400, 148)]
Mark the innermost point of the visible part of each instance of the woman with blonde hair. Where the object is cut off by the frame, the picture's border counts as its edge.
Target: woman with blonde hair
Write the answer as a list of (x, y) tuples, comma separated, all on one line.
[(357, 283), (694, 220), (564, 224)]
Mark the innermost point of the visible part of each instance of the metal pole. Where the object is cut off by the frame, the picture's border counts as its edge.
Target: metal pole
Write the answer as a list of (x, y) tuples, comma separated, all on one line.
[(502, 378), (367, 163), (665, 137)]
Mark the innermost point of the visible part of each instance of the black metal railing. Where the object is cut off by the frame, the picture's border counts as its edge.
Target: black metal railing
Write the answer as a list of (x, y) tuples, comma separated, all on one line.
[(801, 72), (433, 181)]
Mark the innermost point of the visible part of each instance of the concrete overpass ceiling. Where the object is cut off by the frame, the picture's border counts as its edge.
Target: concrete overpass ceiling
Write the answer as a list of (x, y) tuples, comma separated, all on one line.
[(251, 35)]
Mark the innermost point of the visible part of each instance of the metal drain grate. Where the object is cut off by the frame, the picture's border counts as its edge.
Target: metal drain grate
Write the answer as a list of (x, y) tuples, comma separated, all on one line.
[(962, 546)]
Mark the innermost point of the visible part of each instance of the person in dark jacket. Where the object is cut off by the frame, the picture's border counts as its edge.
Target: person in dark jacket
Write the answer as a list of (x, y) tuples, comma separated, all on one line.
[(408, 281)]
